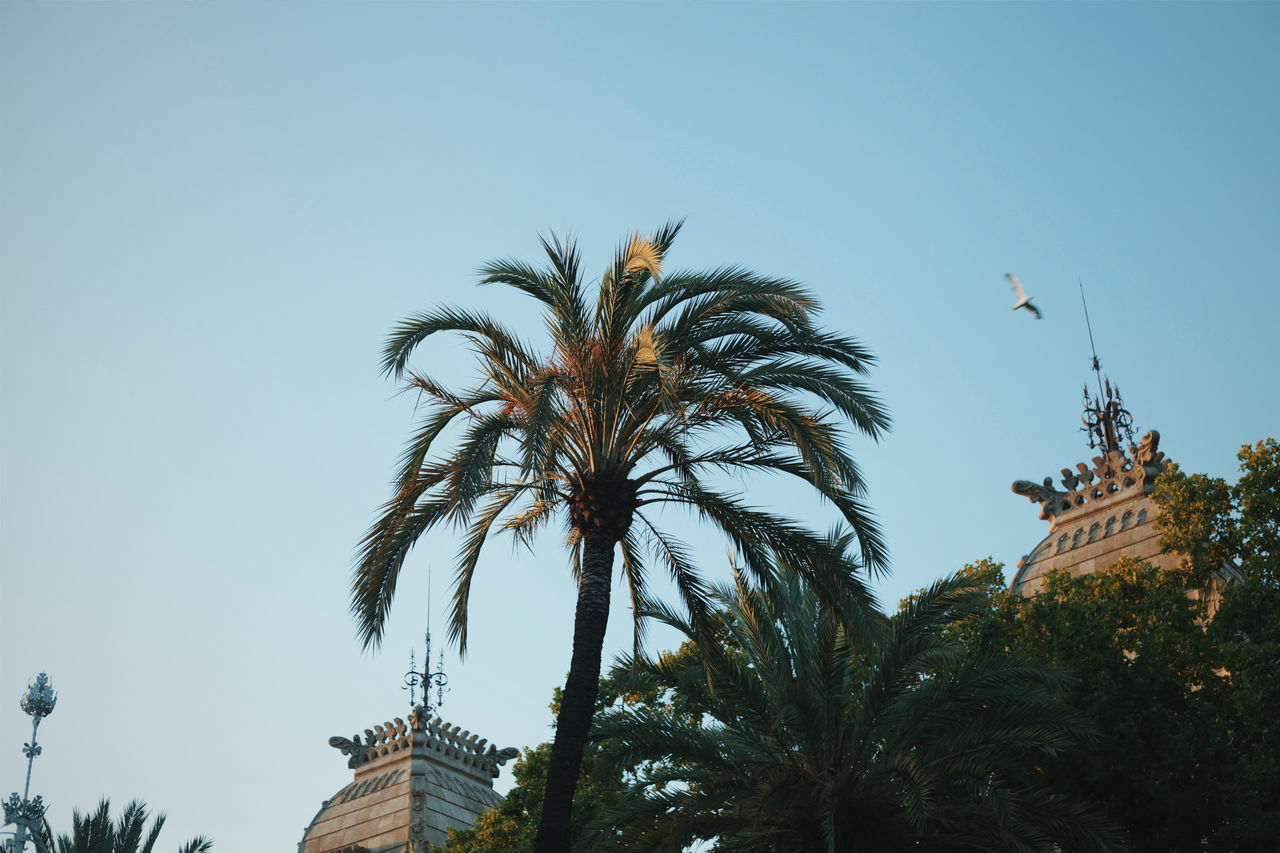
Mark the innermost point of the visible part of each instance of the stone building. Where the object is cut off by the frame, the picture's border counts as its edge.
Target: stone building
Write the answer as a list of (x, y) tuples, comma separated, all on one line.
[(412, 782), (1104, 510)]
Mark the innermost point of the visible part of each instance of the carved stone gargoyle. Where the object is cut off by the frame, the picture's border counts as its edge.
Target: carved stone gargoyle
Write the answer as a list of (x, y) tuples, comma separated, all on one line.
[(358, 751), (1050, 499), (495, 758)]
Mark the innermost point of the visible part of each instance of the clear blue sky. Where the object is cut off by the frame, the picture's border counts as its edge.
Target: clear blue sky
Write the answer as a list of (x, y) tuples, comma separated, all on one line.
[(211, 214)]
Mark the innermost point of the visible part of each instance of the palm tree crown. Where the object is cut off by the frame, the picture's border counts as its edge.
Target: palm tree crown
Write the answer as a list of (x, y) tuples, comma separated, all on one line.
[(657, 383), (819, 740), (97, 833)]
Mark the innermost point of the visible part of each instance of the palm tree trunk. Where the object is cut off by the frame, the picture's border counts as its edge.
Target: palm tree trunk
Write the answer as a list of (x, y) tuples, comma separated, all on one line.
[(578, 703)]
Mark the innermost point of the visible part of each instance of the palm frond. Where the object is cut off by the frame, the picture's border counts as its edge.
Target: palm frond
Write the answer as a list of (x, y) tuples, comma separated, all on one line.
[(942, 752), (415, 329), (469, 558)]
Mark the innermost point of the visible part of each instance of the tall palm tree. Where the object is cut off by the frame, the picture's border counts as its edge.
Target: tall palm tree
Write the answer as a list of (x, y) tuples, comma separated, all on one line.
[(97, 833), (817, 739), (644, 391)]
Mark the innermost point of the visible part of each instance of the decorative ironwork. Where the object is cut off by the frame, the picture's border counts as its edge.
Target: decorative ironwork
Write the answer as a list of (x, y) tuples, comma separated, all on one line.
[(1106, 420), (16, 808), (426, 679), (26, 812), (40, 697)]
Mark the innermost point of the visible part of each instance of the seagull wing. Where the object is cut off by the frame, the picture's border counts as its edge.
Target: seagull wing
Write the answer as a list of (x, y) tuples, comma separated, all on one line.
[(1018, 292), (1034, 310)]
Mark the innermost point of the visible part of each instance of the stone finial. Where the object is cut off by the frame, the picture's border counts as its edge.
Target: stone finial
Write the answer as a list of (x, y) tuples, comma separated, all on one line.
[(1147, 451)]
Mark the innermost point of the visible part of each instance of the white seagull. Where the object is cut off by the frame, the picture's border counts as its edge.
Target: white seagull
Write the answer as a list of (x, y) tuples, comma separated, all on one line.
[(1024, 301)]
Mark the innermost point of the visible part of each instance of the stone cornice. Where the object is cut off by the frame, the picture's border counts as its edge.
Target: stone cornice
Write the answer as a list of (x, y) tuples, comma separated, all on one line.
[(428, 736), (1113, 477)]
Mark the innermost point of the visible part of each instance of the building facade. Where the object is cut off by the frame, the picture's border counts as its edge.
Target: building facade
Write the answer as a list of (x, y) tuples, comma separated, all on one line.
[(1103, 511), (412, 781)]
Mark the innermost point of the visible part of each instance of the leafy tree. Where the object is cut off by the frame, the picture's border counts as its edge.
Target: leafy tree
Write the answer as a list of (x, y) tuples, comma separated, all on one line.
[(1189, 753), (1245, 634), (819, 738), (97, 833), (510, 828), (1212, 523), (1142, 663), (663, 382)]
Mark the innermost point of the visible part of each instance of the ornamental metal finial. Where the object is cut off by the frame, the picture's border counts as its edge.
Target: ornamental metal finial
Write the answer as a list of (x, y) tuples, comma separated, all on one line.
[(426, 679), (1105, 418), (27, 812), (40, 697)]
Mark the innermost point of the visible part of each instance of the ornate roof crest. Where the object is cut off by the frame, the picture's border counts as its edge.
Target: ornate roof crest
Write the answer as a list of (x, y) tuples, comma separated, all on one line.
[(1112, 475)]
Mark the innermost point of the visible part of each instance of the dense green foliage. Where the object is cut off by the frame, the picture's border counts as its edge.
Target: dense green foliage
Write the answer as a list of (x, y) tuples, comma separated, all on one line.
[(651, 390), (1189, 752), (1141, 662), (1186, 750), (98, 833), (1212, 523), (799, 734), (510, 828)]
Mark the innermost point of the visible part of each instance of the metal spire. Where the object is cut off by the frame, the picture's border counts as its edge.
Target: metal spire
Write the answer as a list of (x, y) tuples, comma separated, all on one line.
[(25, 812), (1105, 418), (426, 679)]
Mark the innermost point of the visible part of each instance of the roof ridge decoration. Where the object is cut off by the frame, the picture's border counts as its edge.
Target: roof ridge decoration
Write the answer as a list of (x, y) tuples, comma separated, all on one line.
[(447, 743), (1113, 474)]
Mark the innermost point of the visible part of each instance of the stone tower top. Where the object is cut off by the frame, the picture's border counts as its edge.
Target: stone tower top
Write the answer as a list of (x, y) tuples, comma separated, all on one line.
[(1114, 477), (412, 782), (444, 743), (1102, 512)]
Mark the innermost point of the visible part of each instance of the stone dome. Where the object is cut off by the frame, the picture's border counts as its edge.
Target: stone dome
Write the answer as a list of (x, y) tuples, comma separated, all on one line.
[(412, 782), (1105, 513)]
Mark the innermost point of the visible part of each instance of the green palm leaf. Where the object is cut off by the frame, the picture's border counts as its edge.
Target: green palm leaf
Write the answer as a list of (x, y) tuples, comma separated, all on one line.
[(818, 738), (97, 833), (649, 383)]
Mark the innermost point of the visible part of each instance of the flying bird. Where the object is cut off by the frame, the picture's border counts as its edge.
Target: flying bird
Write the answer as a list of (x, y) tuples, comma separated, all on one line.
[(1024, 301)]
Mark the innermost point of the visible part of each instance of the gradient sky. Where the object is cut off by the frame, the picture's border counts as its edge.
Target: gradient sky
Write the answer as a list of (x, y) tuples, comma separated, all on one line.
[(211, 214)]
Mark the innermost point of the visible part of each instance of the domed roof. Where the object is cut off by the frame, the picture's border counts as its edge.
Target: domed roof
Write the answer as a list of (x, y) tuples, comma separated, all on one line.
[(1105, 513), (412, 782)]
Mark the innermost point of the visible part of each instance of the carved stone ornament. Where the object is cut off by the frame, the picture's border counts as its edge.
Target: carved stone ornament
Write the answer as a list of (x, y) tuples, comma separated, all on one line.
[(1112, 474), (1147, 451), (358, 751), (1050, 499)]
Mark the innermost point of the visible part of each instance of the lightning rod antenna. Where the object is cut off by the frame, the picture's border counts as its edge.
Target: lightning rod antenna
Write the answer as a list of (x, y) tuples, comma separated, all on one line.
[(426, 679), (1105, 419), (1097, 365)]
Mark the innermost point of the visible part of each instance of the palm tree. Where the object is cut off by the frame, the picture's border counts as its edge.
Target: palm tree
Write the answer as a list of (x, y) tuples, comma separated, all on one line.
[(817, 739), (96, 833), (661, 382)]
